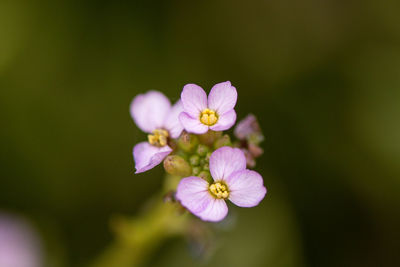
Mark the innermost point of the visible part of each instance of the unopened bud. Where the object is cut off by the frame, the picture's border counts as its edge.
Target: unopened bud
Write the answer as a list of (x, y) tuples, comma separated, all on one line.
[(177, 165), (169, 196), (250, 160), (225, 140), (206, 167), (255, 150), (194, 160), (209, 137), (187, 142), (202, 150), (202, 161), (196, 170), (249, 129), (205, 175)]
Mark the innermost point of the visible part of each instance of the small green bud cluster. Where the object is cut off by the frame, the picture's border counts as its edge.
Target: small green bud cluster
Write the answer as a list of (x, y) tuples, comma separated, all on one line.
[(192, 154), (199, 161)]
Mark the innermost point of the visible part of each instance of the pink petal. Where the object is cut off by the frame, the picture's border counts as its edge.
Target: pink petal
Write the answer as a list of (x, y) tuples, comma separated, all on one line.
[(149, 110), (246, 188), (20, 246), (215, 211), (194, 100), (193, 194), (192, 125), (172, 123), (222, 97), (147, 156), (225, 121), (225, 161), (245, 127)]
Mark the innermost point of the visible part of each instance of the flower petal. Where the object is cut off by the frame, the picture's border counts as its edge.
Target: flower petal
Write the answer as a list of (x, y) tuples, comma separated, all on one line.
[(225, 121), (246, 188), (215, 211), (192, 125), (222, 97), (172, 123), (194, 100), (245, 127), (225, 161), (147, 156), (149, 110), (193, 194)]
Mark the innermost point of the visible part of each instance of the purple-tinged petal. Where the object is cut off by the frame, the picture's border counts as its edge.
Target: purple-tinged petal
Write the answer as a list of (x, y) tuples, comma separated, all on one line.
[(147, 156), (215, 211), (20, 246), (192, 125), (172, 123), (225, 161), (149, 110), (225, 121), (246, 188), (193, 194), (246, 126), (194, 100), (222, 97)]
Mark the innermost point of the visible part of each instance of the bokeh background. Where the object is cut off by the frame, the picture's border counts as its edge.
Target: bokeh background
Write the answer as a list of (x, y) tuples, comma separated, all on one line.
[(323, 77)]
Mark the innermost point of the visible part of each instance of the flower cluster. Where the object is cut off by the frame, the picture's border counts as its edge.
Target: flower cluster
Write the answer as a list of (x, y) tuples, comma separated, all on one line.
[(188, 138)]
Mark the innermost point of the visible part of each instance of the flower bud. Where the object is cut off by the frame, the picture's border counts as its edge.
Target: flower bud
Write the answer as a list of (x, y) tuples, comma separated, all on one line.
[(249, 129), (196, 170), (194, 160), (187, 142), (209, 137), (202, 161), (255, 150), (176, 165), (225, 140), (250, 159), (206, 167), (202, 150), (205, 175)]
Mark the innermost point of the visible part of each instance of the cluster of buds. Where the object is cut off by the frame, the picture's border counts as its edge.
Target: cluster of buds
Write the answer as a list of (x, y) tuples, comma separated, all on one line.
[(249, 135), (188, 138)]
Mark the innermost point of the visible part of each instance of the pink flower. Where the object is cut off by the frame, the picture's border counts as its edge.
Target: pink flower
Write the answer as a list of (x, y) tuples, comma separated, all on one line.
[(215, 113), (231, 180), (153, 114)]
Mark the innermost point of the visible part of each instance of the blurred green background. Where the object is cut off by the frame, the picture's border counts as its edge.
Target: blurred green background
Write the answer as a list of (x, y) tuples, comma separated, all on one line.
[(323, 78)]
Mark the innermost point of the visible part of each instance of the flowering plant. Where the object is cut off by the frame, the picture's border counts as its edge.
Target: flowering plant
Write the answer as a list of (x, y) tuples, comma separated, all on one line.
[(205, 167), (198, 158)]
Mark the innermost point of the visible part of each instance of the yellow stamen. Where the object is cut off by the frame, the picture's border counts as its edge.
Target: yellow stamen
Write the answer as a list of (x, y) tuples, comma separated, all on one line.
[(158, 138), (208, 117), (219, 190)]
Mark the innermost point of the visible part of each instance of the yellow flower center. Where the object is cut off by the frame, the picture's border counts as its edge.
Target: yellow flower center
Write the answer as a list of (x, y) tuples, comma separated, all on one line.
[(158, 138), (219, 190), (208, 117)]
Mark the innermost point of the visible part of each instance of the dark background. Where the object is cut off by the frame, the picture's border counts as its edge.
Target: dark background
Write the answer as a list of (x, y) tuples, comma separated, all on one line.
[(323, 78)]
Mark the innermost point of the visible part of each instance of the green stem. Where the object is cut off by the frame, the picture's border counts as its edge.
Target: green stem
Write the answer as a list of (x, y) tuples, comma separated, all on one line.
[(138, 237)]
